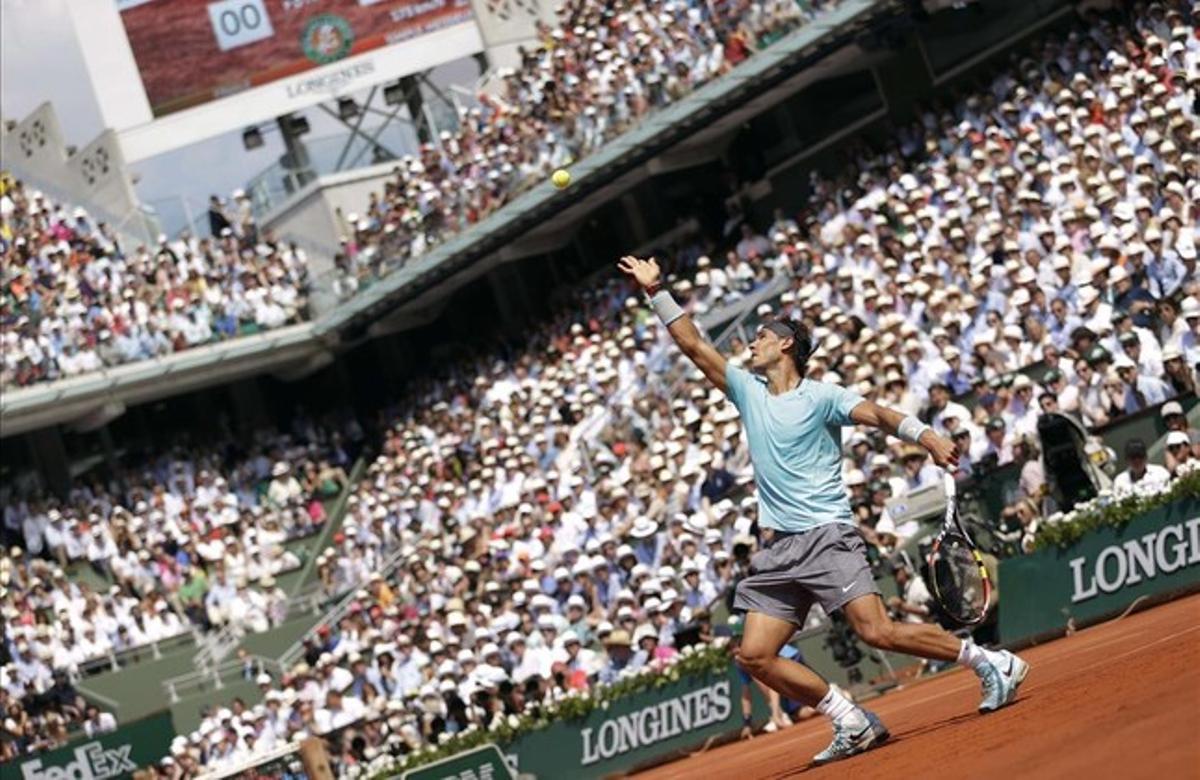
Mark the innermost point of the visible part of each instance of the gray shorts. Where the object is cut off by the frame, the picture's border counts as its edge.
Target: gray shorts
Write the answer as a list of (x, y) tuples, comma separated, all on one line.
[(826, 564)]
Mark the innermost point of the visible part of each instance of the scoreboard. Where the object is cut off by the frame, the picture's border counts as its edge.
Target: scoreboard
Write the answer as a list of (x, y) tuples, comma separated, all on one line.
[(189, 52)]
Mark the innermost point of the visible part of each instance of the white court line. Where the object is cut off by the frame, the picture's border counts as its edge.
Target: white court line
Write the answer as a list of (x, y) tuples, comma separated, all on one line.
[(1127, 653)]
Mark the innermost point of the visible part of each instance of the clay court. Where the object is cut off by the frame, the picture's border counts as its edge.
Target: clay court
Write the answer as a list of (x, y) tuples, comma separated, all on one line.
[(1120, 699)]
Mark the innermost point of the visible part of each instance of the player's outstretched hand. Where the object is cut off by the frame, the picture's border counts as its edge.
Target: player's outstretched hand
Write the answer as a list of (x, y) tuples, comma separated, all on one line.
[(943, 451), (645, 272)]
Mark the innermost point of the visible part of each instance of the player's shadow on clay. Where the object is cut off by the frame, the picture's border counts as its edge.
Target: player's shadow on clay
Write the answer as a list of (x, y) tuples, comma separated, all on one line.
[(966, 717)]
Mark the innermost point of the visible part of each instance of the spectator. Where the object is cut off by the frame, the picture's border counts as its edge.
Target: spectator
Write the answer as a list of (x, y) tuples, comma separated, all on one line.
[(1179, 448), (913, 603), (1141, 476), (75, 298)]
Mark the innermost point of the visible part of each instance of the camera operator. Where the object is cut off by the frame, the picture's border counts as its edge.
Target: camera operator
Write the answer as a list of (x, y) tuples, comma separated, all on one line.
[(913, 603)]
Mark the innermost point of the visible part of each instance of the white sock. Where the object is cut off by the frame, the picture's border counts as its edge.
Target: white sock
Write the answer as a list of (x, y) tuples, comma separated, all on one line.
[(975, 657), (841, 710)]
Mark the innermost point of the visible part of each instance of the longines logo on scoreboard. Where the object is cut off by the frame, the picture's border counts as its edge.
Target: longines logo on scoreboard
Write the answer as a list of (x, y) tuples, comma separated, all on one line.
[(331, 82)]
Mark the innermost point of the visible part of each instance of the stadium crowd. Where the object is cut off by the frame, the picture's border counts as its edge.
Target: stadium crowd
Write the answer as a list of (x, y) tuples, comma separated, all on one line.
[(75, 297), (189, 542), (542, 524), (604, 68), (559, 517)]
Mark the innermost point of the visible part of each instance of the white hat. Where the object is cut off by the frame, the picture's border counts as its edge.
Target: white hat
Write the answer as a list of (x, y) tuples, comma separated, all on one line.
[(643, 528), (645, 630), (1177, 437), (696, 523)]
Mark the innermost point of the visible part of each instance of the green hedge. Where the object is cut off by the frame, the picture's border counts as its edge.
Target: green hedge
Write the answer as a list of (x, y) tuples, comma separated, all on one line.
[(577, 705), (1105, 511)]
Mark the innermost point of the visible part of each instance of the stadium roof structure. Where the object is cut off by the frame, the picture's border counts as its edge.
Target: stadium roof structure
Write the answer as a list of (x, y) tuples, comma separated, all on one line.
[(818, 50)]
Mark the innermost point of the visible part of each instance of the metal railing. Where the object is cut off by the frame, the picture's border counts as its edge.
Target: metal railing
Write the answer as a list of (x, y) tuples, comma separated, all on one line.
[(217, 646), (115, 660), (258, 759), (216, 677), (292, 654)]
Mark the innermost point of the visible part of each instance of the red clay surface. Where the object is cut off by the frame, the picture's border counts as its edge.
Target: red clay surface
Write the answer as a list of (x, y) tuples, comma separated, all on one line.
[(1119, 700)]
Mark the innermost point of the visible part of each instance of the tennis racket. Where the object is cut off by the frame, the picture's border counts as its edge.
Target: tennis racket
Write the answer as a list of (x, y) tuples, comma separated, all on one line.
[(960, 580)]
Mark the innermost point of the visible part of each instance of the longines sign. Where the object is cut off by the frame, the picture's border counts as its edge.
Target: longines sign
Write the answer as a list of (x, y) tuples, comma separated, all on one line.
[(637, 730), (658, 722), (1151, 555), (1102, 573)]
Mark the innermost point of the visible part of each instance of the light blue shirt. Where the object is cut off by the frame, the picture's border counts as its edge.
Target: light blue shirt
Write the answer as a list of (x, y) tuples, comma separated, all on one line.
[(795, 446)]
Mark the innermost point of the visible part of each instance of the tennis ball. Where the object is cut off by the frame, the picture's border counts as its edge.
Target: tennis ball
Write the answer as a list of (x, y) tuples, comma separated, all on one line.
[(561, 178)]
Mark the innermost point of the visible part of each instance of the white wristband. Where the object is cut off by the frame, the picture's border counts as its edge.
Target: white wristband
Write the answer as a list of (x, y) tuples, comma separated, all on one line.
[(910, 429), (665, 307)]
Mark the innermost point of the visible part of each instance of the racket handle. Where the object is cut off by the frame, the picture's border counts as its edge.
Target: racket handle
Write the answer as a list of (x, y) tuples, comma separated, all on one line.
[(948, 484)]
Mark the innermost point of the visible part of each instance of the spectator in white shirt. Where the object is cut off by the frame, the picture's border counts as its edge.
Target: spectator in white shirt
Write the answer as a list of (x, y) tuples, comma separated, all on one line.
[(1141, 476)]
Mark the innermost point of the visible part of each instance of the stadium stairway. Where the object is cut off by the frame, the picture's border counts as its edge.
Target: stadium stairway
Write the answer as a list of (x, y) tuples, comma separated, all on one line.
[(140, 688)]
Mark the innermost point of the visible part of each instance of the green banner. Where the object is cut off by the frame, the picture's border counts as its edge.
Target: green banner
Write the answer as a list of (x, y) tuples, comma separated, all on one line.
[(1101, 574), (482, 763), (112, 755), (638, 730)]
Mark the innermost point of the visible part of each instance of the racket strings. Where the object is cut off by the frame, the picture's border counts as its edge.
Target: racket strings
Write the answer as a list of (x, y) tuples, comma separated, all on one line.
[(960, 584)]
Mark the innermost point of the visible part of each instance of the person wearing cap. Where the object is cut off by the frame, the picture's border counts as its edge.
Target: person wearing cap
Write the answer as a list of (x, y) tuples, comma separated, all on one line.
[(648, 648), (1130, 296), (97, 722), (1176, 373), (618, 657), (1061, 323), (1140, 391), (339, 711), (1165, 273), (1173, 417), (816, 553), (999, 444), (914, 604), (1149, 362), (1141, 476), (1188, 340), (958, 377), (917, 472), (698, 592), (1181, 452)]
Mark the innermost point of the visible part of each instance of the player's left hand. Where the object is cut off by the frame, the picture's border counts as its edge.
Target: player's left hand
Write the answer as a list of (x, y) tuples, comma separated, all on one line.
[(943, 451)]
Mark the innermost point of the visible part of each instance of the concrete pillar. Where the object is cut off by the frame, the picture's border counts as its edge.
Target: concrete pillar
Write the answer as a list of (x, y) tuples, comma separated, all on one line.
[(635, 220), (904, 79), (110, 451), (248, 410), (505, 287), (49, 457), (416, 108)]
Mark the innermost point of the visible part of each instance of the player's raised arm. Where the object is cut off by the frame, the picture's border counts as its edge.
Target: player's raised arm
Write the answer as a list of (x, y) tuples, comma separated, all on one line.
[(943, 451), (706, 357)]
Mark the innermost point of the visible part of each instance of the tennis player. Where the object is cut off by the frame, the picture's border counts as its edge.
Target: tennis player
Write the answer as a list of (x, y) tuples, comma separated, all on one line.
[(815, 553)]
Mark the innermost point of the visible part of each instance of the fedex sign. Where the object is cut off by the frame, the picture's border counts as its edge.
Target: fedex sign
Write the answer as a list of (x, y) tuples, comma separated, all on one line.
[(92, 761)]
